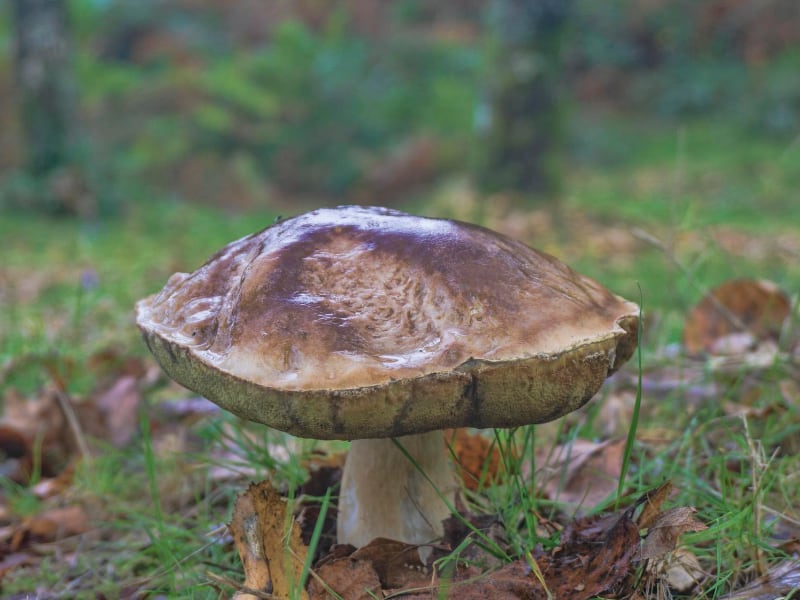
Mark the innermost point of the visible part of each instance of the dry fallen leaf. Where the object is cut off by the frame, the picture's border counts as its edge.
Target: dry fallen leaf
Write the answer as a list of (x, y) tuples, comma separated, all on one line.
[(350, 579), (578, 570), (779, 582), (735, 316), (652, 502), (478, 459), (119, 406), (598, 556), (607, 565), (248, 537), (662, 535), (49, 526), (397, 564), (272, 557), (581, 473), (38, 420)]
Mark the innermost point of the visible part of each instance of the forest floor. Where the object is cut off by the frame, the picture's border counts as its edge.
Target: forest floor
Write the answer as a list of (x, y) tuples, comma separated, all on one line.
[(117, 483)]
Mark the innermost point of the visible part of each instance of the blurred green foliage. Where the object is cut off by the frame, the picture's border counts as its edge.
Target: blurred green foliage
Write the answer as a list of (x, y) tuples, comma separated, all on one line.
[(315, 107), (311, 110), (170, 90), (684, 58)]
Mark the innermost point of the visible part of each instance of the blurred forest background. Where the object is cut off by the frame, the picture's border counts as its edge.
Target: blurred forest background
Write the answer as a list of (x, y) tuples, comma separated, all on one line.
[(652, 144), (275, 103)]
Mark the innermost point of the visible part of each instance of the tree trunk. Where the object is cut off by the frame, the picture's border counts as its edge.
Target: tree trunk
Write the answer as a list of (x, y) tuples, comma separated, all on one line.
[(523, 141), (44, 82)]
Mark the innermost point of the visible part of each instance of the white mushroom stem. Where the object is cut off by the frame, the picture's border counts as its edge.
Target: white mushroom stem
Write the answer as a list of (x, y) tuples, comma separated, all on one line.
[(384, 494)]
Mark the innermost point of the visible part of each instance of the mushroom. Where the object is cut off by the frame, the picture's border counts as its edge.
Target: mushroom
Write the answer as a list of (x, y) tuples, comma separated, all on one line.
[(372, 325)]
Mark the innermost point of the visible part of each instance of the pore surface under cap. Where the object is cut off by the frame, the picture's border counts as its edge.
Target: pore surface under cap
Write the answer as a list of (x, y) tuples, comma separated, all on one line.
[(319, 322)]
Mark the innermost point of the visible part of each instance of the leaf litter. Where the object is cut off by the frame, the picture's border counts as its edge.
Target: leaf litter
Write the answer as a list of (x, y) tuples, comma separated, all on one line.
[(273, 558), (597, 554)]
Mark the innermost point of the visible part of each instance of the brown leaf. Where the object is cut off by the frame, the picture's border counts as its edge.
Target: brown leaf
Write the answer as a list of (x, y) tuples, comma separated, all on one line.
[(577, 572), (663, 533), (247, 536), (39, 419), (478, 459), (50, 526), (397, 564), (515, 581), (734, 316), (119, 405), (582, 473), (272, 557), (652, 502), (779, 581), (790, 391), (350, 579), (590, 573)]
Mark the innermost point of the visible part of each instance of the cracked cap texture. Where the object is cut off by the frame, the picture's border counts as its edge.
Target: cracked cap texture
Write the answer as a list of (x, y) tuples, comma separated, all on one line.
[(359, 322)]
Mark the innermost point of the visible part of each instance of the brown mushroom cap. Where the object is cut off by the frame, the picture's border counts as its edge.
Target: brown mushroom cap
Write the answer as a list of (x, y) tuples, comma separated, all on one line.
[(359, 322)]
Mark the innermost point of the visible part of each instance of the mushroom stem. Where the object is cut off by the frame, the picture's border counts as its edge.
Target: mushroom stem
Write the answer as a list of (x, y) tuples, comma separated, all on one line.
[(384, 494)]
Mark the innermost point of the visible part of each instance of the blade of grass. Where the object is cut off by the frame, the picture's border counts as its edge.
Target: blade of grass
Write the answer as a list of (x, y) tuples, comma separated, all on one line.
[(315, 535), (626, 459)]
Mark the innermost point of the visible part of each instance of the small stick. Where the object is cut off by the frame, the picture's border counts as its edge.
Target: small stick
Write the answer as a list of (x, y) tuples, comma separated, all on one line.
[(721, 308), (65, 403)]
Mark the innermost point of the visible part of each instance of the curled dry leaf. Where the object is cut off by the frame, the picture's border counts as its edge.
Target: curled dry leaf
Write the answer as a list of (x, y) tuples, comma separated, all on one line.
[(600, 567), (272, 557), (677, 568), (662, 535), (735, 316), (651, 504)]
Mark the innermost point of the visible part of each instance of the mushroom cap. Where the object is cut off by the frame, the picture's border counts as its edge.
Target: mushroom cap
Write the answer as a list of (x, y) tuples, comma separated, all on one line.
[(363, 322)]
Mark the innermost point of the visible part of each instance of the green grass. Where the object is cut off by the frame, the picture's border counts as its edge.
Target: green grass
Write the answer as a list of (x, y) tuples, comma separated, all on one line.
[(69, 289)]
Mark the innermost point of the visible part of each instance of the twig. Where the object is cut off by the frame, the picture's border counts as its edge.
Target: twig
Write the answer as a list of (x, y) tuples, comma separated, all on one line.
[(719, 306), (65, 403)]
